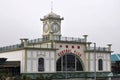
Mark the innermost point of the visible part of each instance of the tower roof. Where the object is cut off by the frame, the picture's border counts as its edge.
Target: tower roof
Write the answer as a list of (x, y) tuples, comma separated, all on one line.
[(52, 15)]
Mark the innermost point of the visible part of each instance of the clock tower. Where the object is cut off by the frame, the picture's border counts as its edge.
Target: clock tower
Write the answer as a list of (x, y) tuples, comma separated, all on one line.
[(51, 26)]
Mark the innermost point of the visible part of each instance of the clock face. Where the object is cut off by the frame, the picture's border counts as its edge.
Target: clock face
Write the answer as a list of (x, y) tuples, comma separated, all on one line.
[(46, 28), (55, 27)]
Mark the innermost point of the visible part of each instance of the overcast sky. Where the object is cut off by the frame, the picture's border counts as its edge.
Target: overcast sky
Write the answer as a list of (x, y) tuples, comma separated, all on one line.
[(99, 19)]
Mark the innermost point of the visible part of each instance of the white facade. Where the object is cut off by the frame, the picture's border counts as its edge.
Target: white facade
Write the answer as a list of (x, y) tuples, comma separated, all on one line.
[(18, 55), (33, 57), (29, 58), (13, 55), (50, 54), (106, 61)]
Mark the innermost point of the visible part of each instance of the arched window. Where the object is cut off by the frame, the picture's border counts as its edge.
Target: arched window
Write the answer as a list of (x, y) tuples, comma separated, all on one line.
[(100, 64), (40, 64), (69, 62)]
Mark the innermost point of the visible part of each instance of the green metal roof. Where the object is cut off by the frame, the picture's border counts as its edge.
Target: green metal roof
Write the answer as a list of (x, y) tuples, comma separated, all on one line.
[(115, 57)]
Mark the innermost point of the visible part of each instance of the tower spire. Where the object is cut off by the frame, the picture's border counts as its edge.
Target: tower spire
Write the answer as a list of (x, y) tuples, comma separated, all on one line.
[(51, 5)]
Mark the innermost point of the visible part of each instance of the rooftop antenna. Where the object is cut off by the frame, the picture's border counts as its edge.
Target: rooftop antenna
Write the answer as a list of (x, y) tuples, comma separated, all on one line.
[(51, 6)]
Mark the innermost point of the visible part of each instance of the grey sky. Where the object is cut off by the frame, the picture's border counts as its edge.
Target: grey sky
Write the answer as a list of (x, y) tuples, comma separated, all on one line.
[(99, 19)]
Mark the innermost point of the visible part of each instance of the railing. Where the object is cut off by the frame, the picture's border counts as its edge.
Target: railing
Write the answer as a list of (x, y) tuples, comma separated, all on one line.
[(12, 47), (18, 46), (98, 49), (72, 39), (57, 39), (35, 41), (39, 40)]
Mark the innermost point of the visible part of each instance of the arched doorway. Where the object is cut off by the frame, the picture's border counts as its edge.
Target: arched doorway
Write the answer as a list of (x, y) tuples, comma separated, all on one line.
[(69, 62)]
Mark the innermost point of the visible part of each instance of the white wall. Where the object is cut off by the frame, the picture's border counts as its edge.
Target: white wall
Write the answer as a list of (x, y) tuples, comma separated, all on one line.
[(15, 56), (32, 60), (106, 61), (12, 56)]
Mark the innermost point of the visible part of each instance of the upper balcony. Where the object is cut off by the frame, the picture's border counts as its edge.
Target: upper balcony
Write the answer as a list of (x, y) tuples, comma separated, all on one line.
[(38, 43), (70, 39), (98, 49), (26, 42), (11, 47)]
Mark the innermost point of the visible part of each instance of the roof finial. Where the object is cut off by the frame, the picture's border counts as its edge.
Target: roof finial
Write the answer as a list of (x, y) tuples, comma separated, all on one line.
[(51, 5)]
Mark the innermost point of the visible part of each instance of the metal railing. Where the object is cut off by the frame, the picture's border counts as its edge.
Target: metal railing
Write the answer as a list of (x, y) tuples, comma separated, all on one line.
[(98, 49), (72, 39), (11, 47), (39, 40), (35, 41), (61, 39)]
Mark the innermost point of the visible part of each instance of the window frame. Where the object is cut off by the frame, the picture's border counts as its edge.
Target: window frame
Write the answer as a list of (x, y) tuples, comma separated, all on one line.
[(41, 64), (100, 64)]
